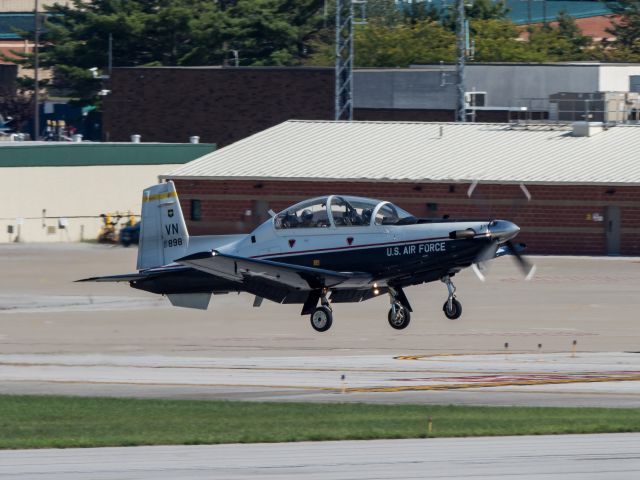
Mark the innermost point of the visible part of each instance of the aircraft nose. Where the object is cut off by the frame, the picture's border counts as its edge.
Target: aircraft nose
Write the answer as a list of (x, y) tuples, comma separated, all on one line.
[(503, 230)]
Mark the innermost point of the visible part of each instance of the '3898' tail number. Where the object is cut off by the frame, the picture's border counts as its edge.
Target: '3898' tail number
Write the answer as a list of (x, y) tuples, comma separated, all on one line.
[(174, 242)]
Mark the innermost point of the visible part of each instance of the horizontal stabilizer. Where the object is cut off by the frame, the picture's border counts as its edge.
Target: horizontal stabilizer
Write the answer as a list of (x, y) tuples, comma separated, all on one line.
[(190, 300), (127, 277)]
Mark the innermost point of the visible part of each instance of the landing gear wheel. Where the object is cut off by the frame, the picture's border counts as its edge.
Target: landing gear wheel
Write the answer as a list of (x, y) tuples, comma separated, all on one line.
[(400, 320), (455, 311), (321, 319)]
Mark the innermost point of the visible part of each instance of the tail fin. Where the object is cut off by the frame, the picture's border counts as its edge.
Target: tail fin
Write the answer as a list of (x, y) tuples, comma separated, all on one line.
[(163, 233)]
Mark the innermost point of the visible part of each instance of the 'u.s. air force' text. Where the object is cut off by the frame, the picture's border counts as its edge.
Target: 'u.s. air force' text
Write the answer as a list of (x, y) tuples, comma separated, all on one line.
[(416, 248)]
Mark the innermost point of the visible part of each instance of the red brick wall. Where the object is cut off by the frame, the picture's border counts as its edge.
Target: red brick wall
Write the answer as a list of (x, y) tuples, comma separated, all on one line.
[(432, 115), (221, 105), (555, 221)]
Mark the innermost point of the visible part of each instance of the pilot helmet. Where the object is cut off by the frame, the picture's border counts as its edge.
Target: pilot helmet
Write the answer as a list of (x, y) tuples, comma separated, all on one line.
[(306, 215)]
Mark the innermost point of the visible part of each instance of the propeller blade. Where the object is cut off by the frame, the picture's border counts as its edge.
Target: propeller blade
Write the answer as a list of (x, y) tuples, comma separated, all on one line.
[(480, 201), (527, 268), (477, 269), (479, 265), (487, 253)]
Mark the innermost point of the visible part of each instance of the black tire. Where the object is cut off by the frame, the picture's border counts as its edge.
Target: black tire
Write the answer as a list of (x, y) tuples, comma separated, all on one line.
[(401, 320), (321, 319), (456, 309)]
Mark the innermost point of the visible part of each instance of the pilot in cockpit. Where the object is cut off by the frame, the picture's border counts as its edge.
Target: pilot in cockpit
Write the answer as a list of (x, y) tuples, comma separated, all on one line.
[(366, 216), (306, 218)]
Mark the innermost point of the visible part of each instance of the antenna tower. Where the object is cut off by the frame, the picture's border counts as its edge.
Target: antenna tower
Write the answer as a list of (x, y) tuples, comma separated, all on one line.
[(345, 20), (461, 110)]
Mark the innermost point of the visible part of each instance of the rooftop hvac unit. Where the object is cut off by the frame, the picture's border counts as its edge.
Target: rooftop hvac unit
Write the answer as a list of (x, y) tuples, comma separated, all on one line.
[(475, 99)]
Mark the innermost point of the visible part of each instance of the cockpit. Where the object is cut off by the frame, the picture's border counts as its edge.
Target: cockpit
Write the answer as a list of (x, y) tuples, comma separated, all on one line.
[(341, 211)]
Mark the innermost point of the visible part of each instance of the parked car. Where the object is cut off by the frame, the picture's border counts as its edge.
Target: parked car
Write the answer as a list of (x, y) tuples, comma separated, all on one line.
[(130, 234)]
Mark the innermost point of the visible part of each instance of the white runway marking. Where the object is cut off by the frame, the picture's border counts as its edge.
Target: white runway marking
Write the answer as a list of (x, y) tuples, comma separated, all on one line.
[(75, 303)]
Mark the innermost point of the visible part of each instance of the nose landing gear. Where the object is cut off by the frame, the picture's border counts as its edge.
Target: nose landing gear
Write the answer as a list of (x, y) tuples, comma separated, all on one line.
[(452, 308)]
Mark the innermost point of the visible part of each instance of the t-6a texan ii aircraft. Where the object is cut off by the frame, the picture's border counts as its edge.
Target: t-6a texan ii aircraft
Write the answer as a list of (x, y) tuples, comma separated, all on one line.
[(326, 250)]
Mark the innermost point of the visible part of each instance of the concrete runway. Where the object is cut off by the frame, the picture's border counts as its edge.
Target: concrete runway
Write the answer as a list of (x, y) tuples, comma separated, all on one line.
[(587, 379), (577, 457), (57, 336)]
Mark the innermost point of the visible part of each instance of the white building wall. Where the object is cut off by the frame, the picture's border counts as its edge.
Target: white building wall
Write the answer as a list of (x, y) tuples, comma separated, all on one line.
[(509, 85), (26, 6), (615, 78), (68, 192)]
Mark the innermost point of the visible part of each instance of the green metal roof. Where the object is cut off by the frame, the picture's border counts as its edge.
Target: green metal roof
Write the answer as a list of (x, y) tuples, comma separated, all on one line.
[(48, 154)]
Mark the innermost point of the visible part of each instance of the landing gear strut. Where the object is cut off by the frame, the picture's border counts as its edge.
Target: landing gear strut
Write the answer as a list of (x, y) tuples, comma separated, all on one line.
[(322, 316), (399, 313), (452, 308)]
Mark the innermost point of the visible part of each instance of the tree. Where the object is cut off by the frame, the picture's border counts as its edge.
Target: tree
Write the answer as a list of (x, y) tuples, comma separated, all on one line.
[(16, 107), (626, 29), (487, 10), (385, 12), (476, 10), (170, 33), (497, 41), (75, 38), (562, 40), (273, 32), (400, 46), (415, 12)]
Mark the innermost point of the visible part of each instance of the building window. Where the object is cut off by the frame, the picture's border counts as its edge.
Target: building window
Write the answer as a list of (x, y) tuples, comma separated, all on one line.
[(196, 210)]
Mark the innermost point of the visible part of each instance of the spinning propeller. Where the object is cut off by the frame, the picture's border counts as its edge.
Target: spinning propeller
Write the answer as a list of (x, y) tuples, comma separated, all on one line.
[(501, 232)]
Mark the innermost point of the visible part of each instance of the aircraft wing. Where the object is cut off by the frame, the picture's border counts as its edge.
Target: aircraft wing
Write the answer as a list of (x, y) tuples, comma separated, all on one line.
[(294, 277)]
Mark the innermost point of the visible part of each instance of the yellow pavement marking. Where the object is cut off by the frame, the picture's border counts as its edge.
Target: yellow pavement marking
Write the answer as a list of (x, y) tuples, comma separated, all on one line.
[(506, 383)]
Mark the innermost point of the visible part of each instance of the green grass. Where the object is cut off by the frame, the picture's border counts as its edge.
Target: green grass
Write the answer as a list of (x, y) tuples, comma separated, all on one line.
[(48, 421)]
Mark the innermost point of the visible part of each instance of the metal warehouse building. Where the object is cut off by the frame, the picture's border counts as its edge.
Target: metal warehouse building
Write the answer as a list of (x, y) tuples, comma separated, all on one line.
[(56, 192), (584, 179)]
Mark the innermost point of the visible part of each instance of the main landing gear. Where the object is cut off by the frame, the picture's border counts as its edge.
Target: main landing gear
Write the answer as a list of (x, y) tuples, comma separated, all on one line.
[(399, 315), (322, 316), (452, 308), (400, 311)]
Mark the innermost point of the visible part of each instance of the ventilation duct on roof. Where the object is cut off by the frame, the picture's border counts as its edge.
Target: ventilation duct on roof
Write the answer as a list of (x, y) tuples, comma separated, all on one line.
[(586, 129)]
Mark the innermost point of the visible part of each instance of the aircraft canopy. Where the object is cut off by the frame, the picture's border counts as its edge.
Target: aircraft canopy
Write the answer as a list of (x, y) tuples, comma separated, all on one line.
[(340, 211)]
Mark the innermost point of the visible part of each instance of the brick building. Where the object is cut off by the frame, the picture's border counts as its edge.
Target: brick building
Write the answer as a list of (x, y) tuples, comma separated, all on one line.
[(226, 104), (220, 105), (584, 181)]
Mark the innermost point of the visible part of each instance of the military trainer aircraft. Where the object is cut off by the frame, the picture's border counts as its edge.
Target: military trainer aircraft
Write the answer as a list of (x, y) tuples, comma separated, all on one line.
[(326, 250)]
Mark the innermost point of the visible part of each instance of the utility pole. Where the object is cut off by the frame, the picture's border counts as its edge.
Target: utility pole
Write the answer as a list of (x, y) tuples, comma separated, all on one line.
[(344, 55), (110, 55), (460, 62), (36, 68)]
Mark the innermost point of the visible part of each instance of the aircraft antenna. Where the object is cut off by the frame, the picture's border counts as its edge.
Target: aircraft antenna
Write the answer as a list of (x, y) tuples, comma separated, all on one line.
[(345, 20)]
